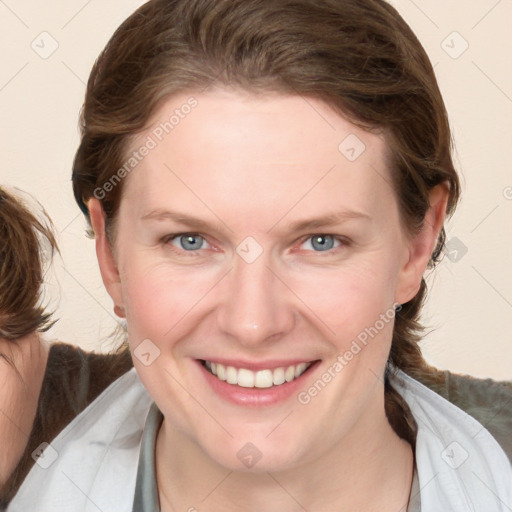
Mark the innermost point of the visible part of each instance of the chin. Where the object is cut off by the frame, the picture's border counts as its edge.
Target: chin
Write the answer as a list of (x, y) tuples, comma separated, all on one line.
[(254, 457)]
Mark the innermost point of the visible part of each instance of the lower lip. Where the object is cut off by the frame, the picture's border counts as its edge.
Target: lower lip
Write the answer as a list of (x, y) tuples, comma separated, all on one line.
[(255, 397)]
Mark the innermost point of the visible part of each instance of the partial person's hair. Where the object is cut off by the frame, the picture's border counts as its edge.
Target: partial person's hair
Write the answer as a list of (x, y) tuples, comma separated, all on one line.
[(358, 56), (27, 243)]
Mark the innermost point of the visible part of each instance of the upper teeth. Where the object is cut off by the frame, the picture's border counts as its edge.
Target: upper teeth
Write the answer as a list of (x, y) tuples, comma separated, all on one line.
[(259, 379)]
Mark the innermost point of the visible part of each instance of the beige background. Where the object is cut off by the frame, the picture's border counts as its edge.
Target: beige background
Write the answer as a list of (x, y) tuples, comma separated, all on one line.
[(470, 307)]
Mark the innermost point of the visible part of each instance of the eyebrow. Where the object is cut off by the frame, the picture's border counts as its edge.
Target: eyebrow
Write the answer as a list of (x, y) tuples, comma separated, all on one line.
[(330, 219), (183, 218)]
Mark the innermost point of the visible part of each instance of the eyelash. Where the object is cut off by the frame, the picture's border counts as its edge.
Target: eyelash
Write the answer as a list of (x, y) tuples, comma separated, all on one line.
[(344, 243)]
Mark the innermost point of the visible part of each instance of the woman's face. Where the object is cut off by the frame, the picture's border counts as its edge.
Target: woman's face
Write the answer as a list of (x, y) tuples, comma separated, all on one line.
[(261, 233)]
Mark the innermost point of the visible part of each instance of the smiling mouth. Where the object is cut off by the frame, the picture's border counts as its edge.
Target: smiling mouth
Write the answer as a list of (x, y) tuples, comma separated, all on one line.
[(265, 378)]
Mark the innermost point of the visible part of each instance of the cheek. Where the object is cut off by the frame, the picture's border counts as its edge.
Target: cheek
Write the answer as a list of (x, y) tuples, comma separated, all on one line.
[(158, 300), (162, 306), (349, 299)]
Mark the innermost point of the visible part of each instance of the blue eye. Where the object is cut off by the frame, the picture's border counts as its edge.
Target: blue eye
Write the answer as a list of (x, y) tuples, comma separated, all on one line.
[(322, 243), (193, 242), (188, 242)]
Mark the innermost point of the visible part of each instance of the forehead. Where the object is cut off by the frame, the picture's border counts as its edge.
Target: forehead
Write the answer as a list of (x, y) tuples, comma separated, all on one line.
[(256, 156)]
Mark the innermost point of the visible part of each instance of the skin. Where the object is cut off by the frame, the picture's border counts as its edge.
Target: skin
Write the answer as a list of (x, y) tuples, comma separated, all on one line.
[(252, 166), (20, 387)]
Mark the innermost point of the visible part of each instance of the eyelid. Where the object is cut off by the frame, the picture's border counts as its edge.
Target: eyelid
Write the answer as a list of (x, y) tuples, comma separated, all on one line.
[(343, 240), (165, 240)]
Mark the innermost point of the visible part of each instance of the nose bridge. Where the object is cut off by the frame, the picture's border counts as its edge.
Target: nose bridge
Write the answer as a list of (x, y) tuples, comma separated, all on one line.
[(255, 305)]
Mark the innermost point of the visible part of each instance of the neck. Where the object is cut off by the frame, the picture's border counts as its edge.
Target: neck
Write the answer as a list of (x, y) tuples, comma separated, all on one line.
[(369, 467), (22, 372)]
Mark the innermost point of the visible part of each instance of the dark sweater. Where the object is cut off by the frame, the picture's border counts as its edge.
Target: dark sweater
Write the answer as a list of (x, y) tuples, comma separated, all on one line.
[(74, 378)]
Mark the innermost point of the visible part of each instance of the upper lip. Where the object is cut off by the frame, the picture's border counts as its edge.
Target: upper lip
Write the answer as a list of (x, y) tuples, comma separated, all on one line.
[(270, 364)]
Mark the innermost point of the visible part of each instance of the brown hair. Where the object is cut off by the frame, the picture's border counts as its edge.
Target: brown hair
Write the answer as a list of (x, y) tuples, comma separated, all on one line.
[(25, 243), (359, 56)]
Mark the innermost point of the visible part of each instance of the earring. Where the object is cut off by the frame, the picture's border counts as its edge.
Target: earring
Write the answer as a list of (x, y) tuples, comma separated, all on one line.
[(119, 311)]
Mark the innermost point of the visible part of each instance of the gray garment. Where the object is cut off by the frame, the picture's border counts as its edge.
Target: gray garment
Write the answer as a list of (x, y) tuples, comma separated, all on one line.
[(146, 493), (488, 401), (414, 499)]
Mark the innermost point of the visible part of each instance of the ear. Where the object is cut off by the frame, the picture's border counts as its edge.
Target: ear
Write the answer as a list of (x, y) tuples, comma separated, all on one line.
[(420, 246), (106, 259)]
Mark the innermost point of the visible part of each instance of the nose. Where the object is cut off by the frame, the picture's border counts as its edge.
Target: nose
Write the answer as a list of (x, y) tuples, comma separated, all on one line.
[(257, 306)]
